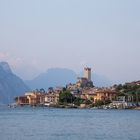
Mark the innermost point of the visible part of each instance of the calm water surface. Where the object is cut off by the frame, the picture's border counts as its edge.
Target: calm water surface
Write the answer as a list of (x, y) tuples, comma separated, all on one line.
[(68, 124)]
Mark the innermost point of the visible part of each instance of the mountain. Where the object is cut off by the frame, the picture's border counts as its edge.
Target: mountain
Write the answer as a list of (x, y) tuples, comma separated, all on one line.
[(10, 84), (52, 78), (60, 77), (100, 80)]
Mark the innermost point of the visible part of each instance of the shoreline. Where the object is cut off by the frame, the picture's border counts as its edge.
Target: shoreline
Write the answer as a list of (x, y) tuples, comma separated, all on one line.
[(69, 107)]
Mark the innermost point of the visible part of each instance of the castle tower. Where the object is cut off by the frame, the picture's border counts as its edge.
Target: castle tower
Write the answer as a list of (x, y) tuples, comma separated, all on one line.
[(87, 73)]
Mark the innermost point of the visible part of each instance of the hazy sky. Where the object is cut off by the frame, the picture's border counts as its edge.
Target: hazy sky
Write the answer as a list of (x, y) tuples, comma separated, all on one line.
[(103, 34)]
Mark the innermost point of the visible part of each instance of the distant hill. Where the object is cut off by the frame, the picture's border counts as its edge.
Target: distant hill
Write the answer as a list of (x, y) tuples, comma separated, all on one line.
[(10, 84), (60, 77), (52, 78), (100, 80)]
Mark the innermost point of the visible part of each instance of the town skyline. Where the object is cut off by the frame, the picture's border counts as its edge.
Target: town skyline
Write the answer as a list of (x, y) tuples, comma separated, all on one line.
[(84, 94)]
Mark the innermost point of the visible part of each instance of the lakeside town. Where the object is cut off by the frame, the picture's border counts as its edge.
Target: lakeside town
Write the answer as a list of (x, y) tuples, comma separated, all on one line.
[(83, 94)]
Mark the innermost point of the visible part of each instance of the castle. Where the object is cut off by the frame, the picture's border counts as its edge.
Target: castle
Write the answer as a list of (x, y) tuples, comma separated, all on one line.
[(85, 81)]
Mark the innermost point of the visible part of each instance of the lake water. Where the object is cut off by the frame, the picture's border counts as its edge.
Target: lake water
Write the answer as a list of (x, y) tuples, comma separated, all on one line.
[(69, 124)]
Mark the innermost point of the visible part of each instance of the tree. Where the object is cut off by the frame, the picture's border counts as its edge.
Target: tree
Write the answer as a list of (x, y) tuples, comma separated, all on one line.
[(78, 101), (88, 102), (119, 87), (66, 97), (106, 102), (99, 103), (50, 89), (137, 95), (42, 90)]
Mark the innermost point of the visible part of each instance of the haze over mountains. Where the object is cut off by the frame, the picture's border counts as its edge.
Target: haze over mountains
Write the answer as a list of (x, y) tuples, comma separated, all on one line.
[(52, 78), (10, 84), (60, 77)]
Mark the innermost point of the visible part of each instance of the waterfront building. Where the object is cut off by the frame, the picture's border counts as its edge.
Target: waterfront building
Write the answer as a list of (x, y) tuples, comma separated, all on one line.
[(124, 101), (30, 98), (105, 94), (34, 98), (51, 99), (88, 93), (22, 100), (133, 83), (95, 94)]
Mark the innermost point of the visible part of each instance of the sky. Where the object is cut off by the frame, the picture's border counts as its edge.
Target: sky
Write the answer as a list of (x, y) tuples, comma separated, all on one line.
[(36, 35)]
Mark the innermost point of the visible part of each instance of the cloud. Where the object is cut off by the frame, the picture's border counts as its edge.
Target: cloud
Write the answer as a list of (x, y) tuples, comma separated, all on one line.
[(3, 56), (13, 61)]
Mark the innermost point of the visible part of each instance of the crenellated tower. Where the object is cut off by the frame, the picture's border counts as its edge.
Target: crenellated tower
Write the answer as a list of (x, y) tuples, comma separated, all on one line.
[(87, 73)]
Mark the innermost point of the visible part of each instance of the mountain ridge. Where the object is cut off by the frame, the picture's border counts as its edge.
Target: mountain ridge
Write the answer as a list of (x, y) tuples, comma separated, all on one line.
[(10, 84), (52, 77), (60, 77)]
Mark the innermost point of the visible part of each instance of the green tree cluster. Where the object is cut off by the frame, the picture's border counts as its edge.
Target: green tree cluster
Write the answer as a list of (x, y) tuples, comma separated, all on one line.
[(66, 97), (99, 103), (129, 89)]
